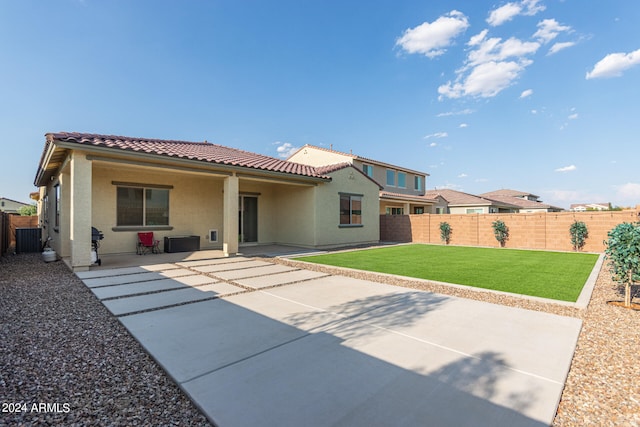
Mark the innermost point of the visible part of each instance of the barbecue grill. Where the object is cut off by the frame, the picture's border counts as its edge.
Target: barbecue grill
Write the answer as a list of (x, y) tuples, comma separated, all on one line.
[(96, 236)]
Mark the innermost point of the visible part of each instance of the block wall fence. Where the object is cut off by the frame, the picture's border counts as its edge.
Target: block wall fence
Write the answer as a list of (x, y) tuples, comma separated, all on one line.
[(544, 230)]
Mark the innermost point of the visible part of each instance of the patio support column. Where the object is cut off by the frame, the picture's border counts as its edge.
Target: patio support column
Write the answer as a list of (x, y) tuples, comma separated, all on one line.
[(407, 208), (230, 216), (80, 211)]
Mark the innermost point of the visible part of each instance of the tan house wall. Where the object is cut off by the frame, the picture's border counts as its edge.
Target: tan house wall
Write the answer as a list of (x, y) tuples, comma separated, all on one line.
[(545, 230), (294, 215), (329, 231), (314, 157)]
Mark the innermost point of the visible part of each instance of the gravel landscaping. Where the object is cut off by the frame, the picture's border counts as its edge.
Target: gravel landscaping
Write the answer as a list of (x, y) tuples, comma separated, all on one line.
[(65, 360)]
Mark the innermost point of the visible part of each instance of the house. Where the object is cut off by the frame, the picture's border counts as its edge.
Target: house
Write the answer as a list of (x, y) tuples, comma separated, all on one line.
[(527, 202), (582, 207), (403, 190), (225, 196), (458, 202), (11, 206)]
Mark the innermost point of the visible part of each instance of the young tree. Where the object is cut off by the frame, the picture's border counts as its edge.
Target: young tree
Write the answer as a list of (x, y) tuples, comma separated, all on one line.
[(579, 234), (501, 231), (445, 232), (28, 210), (623, 254)]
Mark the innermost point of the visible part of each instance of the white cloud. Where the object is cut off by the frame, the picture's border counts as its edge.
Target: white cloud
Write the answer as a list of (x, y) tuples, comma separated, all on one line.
[(614, 64), (557, 47), (510, 10), (456, 113), (534, 111), (494, 49), (548, 29), (285, 149), (437, 135), (463, 175), (629, 190), (573, 116), (433, 144), (463, 125), (486, 80), (567, 169), (477, 39), (526, 93), (432, 39)]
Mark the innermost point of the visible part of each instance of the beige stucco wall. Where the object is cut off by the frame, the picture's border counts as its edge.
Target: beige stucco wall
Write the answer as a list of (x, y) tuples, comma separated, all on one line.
[(463, 210), (327, 198), (195, 205), (380, 176), (314, 157)]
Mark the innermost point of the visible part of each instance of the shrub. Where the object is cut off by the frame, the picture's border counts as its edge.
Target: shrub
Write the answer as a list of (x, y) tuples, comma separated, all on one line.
[(623, 254), (501, 231), (579, 234), (445, 232), (28, 210)]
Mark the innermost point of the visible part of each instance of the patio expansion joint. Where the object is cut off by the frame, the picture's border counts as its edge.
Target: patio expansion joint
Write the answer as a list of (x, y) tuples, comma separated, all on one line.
[(159, 291)]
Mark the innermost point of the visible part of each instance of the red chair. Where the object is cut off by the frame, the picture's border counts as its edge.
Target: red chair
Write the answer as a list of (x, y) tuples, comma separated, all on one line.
[(147, 243)]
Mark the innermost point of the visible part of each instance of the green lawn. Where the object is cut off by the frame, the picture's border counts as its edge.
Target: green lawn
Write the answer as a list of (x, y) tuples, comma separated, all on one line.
[(556, 275)]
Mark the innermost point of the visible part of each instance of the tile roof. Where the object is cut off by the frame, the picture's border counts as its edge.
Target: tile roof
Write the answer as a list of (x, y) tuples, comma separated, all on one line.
[(199, 151), (459, 198), (523, 203), (408, 197), (507, 192)]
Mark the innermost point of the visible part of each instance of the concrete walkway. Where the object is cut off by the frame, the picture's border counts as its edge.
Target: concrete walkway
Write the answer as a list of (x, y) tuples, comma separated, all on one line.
[(254, 343)]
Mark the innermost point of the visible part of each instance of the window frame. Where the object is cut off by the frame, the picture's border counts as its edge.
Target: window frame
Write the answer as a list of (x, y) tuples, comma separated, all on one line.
[(145, 188), (351, 198), (391, 174), (367, 169), (417, 183), (404, 179)]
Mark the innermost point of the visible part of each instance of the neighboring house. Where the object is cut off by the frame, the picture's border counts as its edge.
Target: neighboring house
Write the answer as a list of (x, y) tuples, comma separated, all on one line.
[(465, 203), (527, 202), (10, 206), (403, 190), (582, 207), (228, 197)]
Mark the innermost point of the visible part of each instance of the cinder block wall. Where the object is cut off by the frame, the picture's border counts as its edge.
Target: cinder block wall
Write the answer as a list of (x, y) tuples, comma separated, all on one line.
[(545, 230)]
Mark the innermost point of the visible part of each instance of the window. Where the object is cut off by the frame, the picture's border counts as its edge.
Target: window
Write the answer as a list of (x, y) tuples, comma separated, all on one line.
[(350, 209), (139, 206), (419, 210), (477, 210), (391, 178), (395, 211), (402, 180), (57, 207), (417, 183), (368, 170), (440, 211)]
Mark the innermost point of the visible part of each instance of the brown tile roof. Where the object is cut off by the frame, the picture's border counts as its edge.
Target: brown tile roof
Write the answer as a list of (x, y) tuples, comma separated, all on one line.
[(199, 151), (459, 198), (507, 192), (524, 203), (408, 197)]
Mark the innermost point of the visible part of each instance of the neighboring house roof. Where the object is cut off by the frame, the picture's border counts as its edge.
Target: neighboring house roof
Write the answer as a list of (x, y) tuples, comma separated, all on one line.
[(458, 198), (362, 159), (325, 170), (509, 193), (13, 201), (523, 203), (407, 197), (198, 151)]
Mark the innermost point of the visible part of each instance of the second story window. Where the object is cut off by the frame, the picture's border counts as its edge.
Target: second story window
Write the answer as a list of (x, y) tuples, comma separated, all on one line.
[(417, 183), (391, 178), (402, 180), (368, 170)]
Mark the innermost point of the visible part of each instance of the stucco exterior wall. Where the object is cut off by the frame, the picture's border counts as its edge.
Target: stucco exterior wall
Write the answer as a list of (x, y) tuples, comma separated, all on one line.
[(295, 216), (327, 198), (463, 210), (195, 205), (314, 157)]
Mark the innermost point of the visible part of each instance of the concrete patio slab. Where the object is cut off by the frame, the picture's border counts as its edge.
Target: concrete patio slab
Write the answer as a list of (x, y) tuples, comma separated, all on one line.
[(151, 286), (93, 274), (132, 278), (213, 268), (210, 335), (280, 278), (138, 303), (338, 351), (253, 272)]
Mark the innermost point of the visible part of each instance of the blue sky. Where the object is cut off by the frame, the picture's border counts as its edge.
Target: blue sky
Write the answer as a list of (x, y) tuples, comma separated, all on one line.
[(533, 95)]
